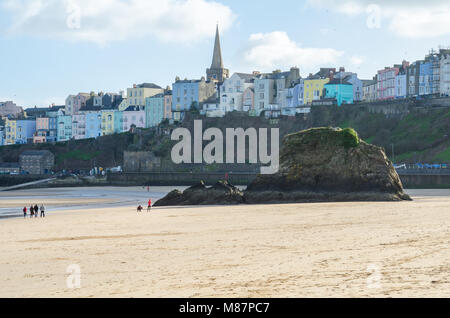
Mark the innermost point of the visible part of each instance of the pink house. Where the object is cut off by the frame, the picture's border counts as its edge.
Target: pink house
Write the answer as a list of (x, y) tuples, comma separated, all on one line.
[(386, 82), (75, 102), (42, 129)]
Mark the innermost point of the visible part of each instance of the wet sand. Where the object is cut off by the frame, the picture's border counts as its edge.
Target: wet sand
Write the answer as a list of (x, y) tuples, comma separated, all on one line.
[(366, 249)]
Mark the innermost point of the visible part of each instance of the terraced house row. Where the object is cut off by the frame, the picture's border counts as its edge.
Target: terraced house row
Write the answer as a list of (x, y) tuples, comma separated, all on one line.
[(275, 94)]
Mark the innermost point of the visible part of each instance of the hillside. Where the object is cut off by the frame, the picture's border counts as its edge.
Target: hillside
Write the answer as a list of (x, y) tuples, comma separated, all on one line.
[(420, 136)]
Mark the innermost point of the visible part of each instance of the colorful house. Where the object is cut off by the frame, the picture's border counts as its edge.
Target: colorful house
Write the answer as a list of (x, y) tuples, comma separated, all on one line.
[(295, 96), (138, 93), (2, 136), (232, 91), (313, 89), (42, 130), (425, 78), (25, 130), (108, 122), (168, 104), (353, 79), (185, 93), (133, 116), (10, 131), (154, 110), (79, 126), (64, 128), (118, 122), (341, 90), (93, 124), (400, 85), (386, 82)]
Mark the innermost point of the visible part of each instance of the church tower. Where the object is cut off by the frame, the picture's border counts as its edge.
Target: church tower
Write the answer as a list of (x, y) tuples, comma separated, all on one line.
[(217, 72)]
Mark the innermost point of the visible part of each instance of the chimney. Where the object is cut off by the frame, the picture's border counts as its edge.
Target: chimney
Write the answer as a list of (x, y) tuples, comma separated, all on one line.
[(331, 75), (134, 85)]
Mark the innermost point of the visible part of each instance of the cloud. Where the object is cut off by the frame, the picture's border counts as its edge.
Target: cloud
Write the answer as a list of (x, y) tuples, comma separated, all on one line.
[(275, 50), (105, 21), (404, 18)]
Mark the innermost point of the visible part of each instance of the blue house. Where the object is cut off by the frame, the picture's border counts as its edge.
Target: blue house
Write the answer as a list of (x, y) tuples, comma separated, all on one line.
[(154, 110), (426, 78), (93, 124), (186, 93), (64, 127), (295, 95), (341, 90), (353, 79), (25, 130), (118, 122), (2, 137)]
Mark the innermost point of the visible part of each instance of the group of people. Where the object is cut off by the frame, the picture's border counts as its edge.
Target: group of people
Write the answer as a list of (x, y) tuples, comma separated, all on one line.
[(34, 211), (149, 207)]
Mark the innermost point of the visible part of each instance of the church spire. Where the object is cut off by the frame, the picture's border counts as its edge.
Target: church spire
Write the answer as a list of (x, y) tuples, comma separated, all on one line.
[(217, 72), (217, 62)]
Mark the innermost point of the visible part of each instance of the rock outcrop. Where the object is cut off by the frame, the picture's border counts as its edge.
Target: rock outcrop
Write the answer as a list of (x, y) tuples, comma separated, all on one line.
[(316, 165), (328, 164), (222, 193)]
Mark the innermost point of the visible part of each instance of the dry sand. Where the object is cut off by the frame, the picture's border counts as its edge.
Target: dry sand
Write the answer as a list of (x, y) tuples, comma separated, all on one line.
[(295, 250)]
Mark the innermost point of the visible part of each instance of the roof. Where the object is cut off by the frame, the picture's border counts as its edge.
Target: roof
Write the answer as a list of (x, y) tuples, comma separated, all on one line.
[(35, 153), (148, 85), (133, 109), (338, 82), (247, 77), (217, 62)]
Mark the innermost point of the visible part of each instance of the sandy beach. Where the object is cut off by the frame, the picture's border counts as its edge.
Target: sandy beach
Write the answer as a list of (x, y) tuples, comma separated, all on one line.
[(297, 250)]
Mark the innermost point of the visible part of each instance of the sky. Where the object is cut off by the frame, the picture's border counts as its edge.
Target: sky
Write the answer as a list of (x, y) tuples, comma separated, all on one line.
[(52, 48)]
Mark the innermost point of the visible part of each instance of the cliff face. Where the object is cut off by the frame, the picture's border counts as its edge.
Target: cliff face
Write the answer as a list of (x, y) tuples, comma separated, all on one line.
[(328, 164)]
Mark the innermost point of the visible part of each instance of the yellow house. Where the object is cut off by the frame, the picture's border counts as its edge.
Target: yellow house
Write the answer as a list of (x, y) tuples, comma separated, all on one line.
[(138, 93), (10, 132), (107, 122), (313, 89)]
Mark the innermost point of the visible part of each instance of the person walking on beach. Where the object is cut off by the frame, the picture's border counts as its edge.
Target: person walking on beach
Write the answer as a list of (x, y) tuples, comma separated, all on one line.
[(31, 211), (149, 207), (36, 211), (139, 208), (42, 211), (24, 212)]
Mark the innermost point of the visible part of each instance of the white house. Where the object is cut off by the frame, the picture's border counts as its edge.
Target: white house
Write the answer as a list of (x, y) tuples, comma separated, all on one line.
[(232, 91)]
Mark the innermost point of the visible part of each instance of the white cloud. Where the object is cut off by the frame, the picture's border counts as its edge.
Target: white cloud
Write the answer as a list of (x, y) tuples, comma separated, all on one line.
[(269, 51), (405, 18), (104, 21)]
